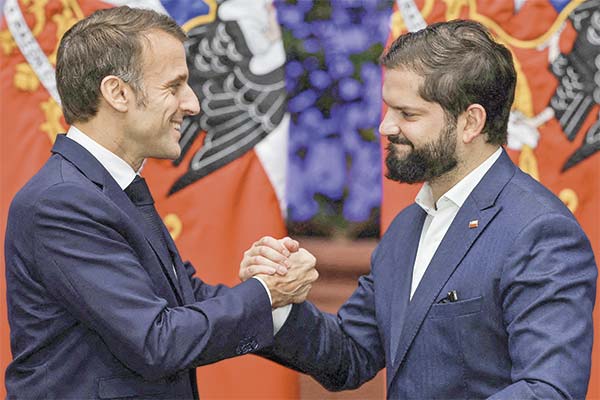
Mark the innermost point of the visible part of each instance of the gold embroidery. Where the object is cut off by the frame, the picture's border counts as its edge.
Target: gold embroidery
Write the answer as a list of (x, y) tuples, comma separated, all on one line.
[(528, 162), (570, 198), (173, 224), (25, 78), (202, 19), (523, 44), (38, 9), (453, 8), (71, 13), (523, 101), (52, 112), (7, 42)]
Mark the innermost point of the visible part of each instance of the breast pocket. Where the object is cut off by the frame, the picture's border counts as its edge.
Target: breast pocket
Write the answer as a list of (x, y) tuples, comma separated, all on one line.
[(456, 308)]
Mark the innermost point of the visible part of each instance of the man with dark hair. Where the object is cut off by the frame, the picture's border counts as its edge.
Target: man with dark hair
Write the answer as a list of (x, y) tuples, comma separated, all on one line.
[(484, 288), (100, 304)]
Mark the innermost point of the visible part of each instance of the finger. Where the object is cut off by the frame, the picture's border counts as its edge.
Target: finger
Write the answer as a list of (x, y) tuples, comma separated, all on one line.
[(274, 244), (261, 269), (282, 270), (248, 272), (290, 244), (274, 267), (260, 260), (271, 254)]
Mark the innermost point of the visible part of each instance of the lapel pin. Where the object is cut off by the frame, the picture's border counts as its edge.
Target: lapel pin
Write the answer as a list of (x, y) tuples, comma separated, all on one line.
[(473, 224)]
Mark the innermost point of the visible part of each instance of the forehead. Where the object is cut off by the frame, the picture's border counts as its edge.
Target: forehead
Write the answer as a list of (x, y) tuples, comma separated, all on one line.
[(164, 56), (402, 86)]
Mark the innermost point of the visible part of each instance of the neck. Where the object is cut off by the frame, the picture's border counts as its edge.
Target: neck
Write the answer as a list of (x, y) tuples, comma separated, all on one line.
[(107, 134), (441, 185)]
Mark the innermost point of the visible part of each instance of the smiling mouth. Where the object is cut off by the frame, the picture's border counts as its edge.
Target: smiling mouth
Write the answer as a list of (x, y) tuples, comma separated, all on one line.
[(176, 126)]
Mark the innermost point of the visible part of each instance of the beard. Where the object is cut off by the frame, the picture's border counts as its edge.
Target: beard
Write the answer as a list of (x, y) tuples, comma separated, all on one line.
[(425, 163)]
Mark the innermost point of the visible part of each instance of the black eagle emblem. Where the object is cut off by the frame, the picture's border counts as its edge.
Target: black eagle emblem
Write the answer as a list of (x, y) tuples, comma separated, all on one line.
[(240, 103), (579, 82)]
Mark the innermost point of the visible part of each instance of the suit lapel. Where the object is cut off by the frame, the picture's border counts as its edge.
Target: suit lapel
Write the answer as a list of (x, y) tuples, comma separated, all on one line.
[(480, 206), (184, 282), (404, 259), (95, 172), (114, 191)]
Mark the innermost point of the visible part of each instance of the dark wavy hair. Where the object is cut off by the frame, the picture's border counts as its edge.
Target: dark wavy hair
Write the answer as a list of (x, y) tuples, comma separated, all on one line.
[(461, 65)]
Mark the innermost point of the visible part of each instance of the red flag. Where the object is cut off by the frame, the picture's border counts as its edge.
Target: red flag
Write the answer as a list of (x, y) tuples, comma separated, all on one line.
[(213, 219)]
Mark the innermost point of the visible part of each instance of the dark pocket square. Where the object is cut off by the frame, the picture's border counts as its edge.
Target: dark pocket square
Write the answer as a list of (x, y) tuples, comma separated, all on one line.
[(456, 308)]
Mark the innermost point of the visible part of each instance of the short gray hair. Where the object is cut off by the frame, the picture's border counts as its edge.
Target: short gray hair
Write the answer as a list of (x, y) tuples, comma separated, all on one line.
[(108, 42)]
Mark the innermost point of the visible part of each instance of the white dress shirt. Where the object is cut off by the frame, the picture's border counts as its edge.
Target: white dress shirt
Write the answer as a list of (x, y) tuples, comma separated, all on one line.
[(441, 214), (116, 166), (124, 175)]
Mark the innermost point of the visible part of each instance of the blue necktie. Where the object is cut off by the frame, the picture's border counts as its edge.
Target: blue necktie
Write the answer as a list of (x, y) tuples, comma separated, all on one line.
[(140, 195)]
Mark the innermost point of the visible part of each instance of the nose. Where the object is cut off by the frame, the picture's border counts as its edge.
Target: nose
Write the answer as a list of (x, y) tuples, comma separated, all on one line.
[(189, 102), (388, 127)]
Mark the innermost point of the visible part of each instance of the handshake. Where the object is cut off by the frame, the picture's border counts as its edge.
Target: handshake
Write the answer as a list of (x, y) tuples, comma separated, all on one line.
[(287, 270)]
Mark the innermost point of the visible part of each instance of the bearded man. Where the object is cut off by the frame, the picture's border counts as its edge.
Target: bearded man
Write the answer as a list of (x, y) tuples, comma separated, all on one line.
[(484, 288)]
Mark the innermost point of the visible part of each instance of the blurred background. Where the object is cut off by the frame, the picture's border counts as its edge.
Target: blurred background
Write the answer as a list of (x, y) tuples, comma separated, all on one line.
[(287, 142)]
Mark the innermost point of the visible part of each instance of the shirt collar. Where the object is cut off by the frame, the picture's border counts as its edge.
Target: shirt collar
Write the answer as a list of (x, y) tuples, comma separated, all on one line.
[(116, 166), (457, 195)]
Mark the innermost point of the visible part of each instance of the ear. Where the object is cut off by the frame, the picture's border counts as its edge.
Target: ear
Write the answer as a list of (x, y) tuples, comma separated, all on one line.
[(474, 119), (116, 93)]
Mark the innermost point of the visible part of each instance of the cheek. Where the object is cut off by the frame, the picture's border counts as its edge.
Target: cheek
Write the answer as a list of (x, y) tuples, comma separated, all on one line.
[(421, 131), (412, 130)]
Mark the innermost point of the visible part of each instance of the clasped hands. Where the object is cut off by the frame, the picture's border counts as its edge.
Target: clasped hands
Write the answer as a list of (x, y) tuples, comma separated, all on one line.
[(287, 270)]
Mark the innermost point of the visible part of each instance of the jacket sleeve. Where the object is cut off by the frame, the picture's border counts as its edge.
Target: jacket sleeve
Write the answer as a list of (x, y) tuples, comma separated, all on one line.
[(83, 259), (548, 288), (203, 290), (341, 352)]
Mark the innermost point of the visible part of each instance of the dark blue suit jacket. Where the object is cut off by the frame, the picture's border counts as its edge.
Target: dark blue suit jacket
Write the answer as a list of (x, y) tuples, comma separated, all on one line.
[(521, 329), (94, 307)]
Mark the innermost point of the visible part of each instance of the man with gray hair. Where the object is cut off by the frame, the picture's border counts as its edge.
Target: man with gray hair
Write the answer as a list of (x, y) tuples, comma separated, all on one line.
[(100, 304)]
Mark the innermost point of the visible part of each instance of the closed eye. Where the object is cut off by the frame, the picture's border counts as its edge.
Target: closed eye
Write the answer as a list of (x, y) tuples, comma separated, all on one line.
[(405, 114)]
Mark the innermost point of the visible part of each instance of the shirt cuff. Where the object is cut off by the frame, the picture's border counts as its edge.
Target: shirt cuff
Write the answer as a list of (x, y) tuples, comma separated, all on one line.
[(280, 314), (266, 288)]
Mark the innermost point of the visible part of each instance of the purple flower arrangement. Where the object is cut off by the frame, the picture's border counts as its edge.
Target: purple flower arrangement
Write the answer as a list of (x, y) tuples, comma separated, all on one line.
[(334, 90)]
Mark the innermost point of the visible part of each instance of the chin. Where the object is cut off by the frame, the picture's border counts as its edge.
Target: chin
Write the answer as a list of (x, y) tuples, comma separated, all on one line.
[(173, 155)]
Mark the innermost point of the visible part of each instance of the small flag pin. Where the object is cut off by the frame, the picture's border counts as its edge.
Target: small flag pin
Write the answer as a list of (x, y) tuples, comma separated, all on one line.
[(473, 224)]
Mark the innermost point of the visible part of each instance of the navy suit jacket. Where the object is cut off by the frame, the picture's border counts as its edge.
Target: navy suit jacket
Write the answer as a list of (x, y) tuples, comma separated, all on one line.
[(521, 328), (94, 307)]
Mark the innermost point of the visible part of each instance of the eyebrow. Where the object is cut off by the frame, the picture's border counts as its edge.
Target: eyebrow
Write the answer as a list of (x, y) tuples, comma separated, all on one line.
[(402, 107), (177, 79)]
